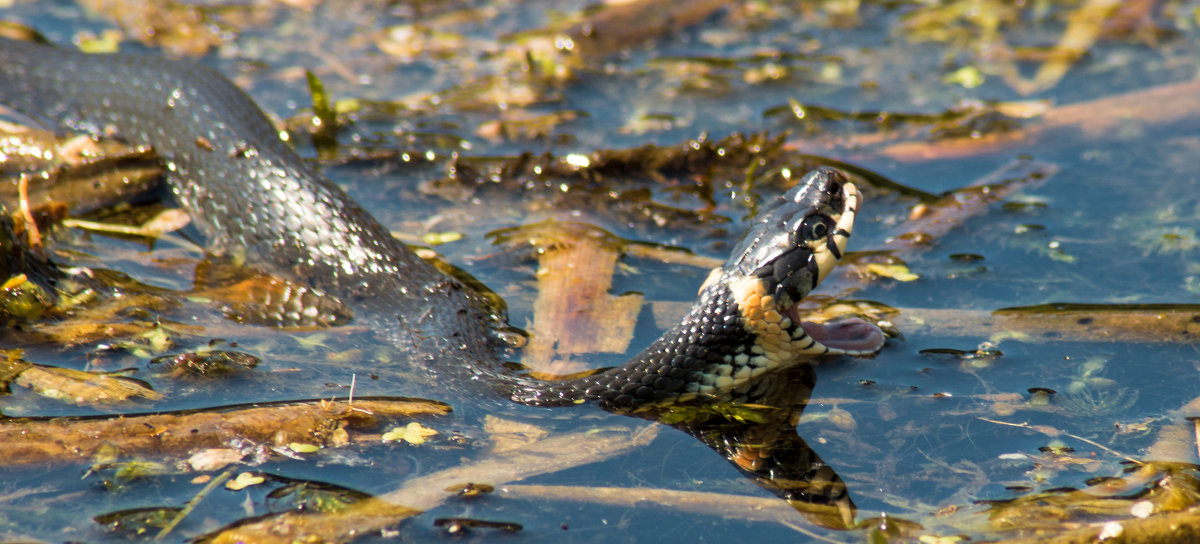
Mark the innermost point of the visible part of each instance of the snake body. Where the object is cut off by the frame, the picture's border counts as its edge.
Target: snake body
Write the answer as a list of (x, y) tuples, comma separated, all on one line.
[(253, 197)]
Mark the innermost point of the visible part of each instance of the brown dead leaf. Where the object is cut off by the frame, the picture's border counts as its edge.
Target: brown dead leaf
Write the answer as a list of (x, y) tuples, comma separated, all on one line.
[(79, 387), (508, 435)]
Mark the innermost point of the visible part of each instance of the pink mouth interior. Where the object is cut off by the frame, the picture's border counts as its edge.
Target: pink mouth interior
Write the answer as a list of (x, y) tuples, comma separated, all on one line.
[(850, 334)]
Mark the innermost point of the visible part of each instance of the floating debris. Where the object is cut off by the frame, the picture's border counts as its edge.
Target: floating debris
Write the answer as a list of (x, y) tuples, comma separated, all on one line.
[(460, 525), (470, 490), (206, 364)]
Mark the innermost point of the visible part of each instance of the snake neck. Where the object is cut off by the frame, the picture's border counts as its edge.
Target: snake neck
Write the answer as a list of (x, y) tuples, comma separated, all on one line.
[(726, 341)]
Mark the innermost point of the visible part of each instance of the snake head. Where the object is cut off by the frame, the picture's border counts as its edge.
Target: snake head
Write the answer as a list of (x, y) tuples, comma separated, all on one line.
[(800, 236), (793, 244)]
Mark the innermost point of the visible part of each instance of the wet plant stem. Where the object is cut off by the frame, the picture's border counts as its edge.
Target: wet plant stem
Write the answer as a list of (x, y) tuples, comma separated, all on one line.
[(191, 504)]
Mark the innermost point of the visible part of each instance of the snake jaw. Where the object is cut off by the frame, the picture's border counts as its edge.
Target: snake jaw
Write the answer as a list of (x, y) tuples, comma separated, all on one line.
[(853, 336), (828, 254), (768, 299)]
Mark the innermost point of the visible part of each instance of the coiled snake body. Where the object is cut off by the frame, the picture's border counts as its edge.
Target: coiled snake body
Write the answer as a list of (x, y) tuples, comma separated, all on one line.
[(254, 197)]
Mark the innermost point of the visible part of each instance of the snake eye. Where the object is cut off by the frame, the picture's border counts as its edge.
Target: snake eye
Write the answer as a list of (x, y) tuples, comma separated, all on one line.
[(814, 227)]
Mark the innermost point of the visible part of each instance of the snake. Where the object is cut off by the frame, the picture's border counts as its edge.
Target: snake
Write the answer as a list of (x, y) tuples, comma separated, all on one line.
[(254, 198)]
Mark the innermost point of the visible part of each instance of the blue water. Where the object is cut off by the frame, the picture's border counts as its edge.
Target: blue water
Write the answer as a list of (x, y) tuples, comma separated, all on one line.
[(916, 439)]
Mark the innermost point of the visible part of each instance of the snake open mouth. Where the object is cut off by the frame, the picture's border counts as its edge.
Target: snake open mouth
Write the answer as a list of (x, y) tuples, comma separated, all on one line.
[(844, 336), (849, 336)]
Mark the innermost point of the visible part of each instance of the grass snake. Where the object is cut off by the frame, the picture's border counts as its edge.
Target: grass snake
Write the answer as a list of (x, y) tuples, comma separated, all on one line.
[(253, 197)]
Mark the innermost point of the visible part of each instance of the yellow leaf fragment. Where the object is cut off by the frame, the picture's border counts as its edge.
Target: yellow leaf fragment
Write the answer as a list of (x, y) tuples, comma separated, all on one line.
[(967, 76), (14, 281), (300, 447), (439, 238), (244, 480), (158, 338), (108, 41), (414, 433), (347, 105), (932, 539), (898, 272), (393, 435)]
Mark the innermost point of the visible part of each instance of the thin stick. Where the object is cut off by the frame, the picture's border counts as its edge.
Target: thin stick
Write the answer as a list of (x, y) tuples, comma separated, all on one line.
[(130, 230), (191, 505), (1064, 433), (428, 492)]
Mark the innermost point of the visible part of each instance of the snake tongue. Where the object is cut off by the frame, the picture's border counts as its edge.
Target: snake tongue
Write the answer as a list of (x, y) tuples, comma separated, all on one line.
[(853, 334)]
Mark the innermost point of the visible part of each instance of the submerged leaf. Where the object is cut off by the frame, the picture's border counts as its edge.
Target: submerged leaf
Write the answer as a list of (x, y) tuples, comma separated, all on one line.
[(138, 521), (311, 496), (133, 470), (324, 122)]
